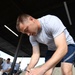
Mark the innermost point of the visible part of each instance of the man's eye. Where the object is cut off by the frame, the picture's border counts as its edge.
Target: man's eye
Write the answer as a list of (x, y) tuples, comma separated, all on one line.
[(26, 30)]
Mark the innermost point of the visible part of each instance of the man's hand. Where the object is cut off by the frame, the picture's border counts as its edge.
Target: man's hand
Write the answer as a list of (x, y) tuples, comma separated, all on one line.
[(36, 71)]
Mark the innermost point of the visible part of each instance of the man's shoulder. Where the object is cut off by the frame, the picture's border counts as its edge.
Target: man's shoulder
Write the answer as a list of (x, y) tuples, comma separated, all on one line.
[(47, 19)]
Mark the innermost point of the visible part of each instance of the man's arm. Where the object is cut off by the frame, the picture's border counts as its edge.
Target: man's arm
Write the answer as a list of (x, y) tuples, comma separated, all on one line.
[(60, 52), (8, 70), (34, 58)]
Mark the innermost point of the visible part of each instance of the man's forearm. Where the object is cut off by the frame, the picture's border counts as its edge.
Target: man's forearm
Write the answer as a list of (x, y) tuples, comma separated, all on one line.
[(33, 61), (7, 70)]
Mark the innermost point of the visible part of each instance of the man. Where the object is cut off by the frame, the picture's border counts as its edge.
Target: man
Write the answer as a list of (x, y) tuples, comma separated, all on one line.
[(6, 66), (48, 30), (26, 67), (17, 67)]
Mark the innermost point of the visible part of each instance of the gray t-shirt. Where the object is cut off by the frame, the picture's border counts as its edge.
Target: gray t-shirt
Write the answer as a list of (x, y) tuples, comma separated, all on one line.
[(51, 27)]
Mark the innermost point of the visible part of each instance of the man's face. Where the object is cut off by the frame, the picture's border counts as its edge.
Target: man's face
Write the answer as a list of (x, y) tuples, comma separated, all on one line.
[(29, 27), (8, 61)]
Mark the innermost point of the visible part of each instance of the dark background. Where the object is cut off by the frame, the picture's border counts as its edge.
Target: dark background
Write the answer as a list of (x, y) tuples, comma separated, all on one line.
[(9, 11)]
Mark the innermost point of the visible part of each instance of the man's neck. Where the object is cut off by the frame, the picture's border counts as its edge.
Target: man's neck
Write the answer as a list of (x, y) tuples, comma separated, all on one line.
[(39, 26)]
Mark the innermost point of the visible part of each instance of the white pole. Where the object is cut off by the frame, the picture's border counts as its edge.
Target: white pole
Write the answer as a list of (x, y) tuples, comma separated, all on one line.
[(67, 12)]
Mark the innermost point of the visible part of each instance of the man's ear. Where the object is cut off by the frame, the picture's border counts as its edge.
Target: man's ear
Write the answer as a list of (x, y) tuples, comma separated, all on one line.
[(31, 18)]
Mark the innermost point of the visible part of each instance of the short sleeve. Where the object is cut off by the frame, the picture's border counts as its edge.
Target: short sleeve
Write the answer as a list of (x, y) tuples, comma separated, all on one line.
[(55, 26), (33, 41)]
